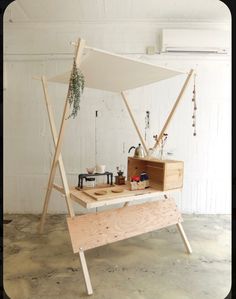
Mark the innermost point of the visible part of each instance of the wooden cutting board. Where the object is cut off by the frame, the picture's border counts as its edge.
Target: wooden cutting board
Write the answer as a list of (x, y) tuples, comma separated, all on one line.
[(94, 193)]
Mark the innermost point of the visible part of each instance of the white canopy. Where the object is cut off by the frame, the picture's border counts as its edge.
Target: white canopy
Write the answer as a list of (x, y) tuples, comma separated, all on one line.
[(112, 72)]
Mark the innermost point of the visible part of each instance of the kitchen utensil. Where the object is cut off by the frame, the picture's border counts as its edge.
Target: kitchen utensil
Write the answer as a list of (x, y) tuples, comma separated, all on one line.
[(100, 192), (90, 182), (120, 170), (138, 151), (120, 180), (100, 168), (90, 170), (109, 195), (117, 190)]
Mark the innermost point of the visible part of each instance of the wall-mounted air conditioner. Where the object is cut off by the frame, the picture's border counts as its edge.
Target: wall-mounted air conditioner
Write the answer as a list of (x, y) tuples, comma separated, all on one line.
[(195, 40)]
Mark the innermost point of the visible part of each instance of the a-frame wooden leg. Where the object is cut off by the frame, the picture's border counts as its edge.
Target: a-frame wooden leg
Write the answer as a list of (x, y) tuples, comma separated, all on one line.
[(55, 139), (45, 208), (134, 122), (85, 272), (184, 238), (54, 166), (186, 82), (79, 52)]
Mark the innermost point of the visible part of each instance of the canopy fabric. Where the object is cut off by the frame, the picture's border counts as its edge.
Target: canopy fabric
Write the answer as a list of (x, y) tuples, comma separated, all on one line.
[(116, 73)]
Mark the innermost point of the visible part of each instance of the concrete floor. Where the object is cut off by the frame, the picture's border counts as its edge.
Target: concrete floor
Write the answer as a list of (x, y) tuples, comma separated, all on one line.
[(150, 266)]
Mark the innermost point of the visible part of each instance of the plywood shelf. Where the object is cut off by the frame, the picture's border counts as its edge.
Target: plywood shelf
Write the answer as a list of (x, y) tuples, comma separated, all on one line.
[(89, 202), (97, 229)]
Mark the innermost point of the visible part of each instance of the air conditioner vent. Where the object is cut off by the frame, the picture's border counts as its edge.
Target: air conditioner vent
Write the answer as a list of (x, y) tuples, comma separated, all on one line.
[(190, 41)]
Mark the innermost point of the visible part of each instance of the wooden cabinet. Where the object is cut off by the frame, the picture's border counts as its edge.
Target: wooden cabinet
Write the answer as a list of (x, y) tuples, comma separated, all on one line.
[(163, 174)]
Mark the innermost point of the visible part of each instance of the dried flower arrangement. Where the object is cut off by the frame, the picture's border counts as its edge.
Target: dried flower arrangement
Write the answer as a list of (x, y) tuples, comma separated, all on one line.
[(76, 87), (163, 142)]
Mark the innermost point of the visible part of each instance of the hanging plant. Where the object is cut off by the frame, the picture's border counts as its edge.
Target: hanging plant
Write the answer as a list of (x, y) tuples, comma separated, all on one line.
[(76, 88)]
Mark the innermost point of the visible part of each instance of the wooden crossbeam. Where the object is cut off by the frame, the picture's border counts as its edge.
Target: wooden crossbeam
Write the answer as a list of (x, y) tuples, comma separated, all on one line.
[(58, 188), (174, 108)]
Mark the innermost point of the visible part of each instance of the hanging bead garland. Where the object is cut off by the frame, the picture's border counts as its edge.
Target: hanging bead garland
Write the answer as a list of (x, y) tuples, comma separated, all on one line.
[(194, 107)]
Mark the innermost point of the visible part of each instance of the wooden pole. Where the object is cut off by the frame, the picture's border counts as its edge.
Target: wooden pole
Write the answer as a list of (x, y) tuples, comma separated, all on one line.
[(174, 108), (85, 272), (184, 238), (134, 123), (79, 53), (54, 135)]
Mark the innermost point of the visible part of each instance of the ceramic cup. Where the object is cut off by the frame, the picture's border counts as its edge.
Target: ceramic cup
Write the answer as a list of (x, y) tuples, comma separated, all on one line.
[(100, 168), (90, 170)]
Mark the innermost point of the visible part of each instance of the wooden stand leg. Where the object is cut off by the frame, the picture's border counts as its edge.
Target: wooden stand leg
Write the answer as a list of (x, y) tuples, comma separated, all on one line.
[(45, 208), (134, 123), (173, 109), (57, 154), (55, 139), (54, 164), (85, 272), (184, 238)]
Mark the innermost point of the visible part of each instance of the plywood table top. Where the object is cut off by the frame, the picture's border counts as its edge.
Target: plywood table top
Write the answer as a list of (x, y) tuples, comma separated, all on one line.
[(88, 202)]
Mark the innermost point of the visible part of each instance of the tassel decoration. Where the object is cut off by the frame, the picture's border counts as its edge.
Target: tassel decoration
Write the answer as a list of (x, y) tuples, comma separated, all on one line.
[(194, 106)]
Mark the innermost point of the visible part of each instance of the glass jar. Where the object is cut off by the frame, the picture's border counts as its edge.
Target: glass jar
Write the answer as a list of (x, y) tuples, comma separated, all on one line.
[(90, 182)]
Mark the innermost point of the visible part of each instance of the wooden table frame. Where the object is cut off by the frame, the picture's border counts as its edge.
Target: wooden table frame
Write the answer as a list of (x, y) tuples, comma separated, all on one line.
[(161, 213)]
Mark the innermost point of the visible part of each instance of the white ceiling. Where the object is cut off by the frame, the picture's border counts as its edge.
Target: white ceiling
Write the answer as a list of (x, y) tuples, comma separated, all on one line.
[(116, 10)]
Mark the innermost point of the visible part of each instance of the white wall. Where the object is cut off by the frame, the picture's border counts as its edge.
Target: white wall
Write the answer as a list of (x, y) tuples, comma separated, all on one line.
[(28, 149)]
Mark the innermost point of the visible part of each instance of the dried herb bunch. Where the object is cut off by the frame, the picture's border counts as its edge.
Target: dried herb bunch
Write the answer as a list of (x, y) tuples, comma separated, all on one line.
[(76, 87)]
